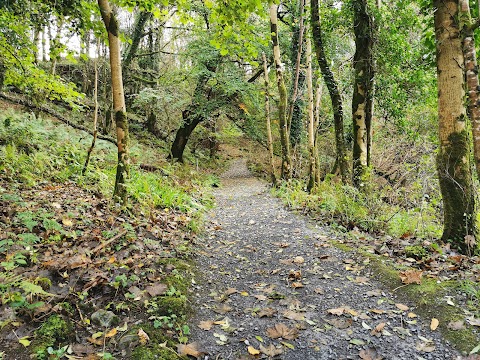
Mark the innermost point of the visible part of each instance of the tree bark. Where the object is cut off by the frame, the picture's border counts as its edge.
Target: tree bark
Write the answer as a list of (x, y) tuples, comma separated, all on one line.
[(362, 102), (267, 117), (311, 120), (120, 113), (471, 77), (282, 106), (453, 163), (138, 30), (333, 91)]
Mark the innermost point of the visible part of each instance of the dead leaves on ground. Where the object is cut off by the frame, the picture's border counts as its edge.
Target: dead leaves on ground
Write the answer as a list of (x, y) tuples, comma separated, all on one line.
[(411, 276), (189, 350), (281, 330)]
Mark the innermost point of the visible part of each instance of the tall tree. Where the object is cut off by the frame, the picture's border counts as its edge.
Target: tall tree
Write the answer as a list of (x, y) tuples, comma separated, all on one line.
[(120, 113), (453, 159), (268, 122), (282, 105), (332, 87), (311, 120), (362, 102)]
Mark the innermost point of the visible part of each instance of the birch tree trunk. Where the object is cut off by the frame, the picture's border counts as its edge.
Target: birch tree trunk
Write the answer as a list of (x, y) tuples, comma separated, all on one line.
[(362, 102), (282, 106), (333, 91), (269, 126), (453, 163), (120, 113)]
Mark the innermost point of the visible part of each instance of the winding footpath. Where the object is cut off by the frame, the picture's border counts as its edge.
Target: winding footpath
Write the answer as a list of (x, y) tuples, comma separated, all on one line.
[(272, 286)]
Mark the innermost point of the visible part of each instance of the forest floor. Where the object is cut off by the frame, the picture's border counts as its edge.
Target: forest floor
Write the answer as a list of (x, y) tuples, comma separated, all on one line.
[(271, 283)]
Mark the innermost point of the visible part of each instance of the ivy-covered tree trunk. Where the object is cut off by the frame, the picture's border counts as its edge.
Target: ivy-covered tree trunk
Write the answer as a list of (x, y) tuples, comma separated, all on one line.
[(333, 91), (138, 33), (453, 165), (471, 77), (268, 122), (362, 102), (120, 113), (311, 121), (282, 90)]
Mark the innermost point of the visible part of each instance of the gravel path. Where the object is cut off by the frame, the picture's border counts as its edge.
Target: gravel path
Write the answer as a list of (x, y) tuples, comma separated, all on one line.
[(271, 284)]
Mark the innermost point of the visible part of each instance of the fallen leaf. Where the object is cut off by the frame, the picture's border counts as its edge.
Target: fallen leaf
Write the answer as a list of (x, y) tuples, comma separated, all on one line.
[(282, 331), (434, 324), (98, 342), (67, 222), (205, 325), (268, 312), (411, 276), (362, 280), (244, 293), (271, 350), (456, 325), (288, 345), (24, 341), (474, 321), (341, 323), (295, 275), (297, 285), (402, 307), (189, 349), (230, 291), (222, 339), (292, 315), (111, 333), (299, 260), (378, 329), (427, 347), (260, 297), (157, 289), (374, 293), (369, 354), (411, 315), (253, 351), (358, 342), (337, 311), (143, 337), (222, 309)]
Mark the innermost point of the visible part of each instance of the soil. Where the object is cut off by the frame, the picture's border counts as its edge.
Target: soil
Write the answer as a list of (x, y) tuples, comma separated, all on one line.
[(270, 283)]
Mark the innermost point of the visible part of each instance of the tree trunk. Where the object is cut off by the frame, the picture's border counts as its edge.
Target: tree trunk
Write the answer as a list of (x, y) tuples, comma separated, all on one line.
[(362, 91), (295, 112), (120, 113), (55, 46), (471, 76), (190, 122), (282, 106), (453, 163), (318, 99), (311, 121), (138, 30), (269, 127), (333, 91)]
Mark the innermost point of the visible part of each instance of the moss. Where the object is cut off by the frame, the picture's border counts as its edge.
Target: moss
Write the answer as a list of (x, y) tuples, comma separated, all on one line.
[(155, 352), (341, 246), (416, 251), (426, 298), (50, 333), (167, 305)]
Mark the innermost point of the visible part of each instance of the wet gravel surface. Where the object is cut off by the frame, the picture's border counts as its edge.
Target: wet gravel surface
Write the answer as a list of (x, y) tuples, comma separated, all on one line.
[(271, 285)]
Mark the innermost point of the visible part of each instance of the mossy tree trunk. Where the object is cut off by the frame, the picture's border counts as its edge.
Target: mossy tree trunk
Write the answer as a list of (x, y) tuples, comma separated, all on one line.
[(268, 122), (362, 102), (332, 89), (120, 113), (453, 163), (282, 90)]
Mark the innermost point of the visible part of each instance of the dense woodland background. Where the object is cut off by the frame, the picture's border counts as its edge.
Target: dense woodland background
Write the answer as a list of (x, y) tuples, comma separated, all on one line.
[(361, 113)]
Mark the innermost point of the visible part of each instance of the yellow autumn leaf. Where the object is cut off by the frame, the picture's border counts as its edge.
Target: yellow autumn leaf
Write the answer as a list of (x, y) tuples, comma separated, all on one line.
[(111, 333), (253, 351), (143, 336), (434, 324)]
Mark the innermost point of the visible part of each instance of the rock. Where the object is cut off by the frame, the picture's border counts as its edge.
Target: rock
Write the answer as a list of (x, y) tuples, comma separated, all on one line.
[(105, 318)]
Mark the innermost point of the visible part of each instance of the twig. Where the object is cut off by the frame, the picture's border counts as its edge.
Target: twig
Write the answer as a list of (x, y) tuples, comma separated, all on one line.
[(108, 242)]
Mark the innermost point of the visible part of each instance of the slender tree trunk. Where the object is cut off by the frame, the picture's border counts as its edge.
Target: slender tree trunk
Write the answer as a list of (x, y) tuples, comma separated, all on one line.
[(269, 127), (453, 163), (311, 120), (138, 30), (38, 44), (471, 76), (95, 114), (318, 99), (55, 46), (44, 45), (362, 102), (120, 113), (295, 111), (332, 89), (282, 106)]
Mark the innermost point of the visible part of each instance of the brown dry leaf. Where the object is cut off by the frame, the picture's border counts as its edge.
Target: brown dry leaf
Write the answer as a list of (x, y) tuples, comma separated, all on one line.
[(474, 322), (230, 291), (378, 311), (295, 274), (402, 307), (338, 311), (374, 293), (222, 309), (271, 350), (293, 315), (143, 336), (282, 331), (411, 276), (297, 285), (98, 342), (156, 289), (369, 354), (253, 351), (434, 324), (189, 349), (111, 333), (341, 323), (362, 280), (260, 297), (268, 312), (205, 325), (427, 347), (378, 329), (319, 291), (456, 325), (299, 260), (411, 315)]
